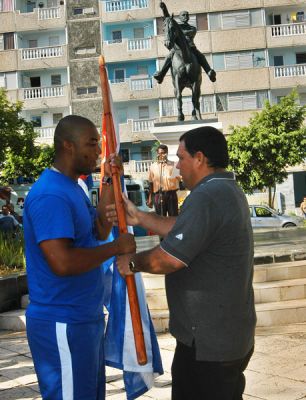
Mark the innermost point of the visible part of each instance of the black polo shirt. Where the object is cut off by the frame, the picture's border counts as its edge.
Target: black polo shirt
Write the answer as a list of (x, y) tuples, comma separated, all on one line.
[(211, 300)]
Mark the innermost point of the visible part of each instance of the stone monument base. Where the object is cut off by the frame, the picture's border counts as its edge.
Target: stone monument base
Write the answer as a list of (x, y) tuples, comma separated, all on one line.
[(169, 132)]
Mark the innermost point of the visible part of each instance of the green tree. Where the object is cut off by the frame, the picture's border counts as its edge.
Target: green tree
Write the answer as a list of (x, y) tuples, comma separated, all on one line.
[(19, 155), (274, 140)]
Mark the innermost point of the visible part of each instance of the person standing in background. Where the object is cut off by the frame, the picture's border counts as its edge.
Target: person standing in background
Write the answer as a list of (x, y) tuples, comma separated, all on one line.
[(164, 184)]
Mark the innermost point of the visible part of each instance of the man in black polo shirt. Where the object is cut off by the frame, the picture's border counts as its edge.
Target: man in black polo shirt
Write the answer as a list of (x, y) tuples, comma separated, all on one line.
[(207, 257)]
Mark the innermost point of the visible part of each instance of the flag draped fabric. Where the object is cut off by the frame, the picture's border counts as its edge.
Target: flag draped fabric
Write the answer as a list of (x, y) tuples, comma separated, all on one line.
[(120, 349)]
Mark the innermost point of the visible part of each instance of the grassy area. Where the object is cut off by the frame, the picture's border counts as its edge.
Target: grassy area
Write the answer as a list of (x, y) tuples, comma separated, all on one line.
[(12, 258)]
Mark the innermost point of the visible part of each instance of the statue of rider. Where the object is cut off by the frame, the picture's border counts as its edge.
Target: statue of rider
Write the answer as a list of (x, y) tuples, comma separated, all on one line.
[(189, 32)]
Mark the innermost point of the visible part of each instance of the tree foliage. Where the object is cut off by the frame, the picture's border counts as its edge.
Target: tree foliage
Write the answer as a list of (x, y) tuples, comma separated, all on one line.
[(19, 155), (274, 140)]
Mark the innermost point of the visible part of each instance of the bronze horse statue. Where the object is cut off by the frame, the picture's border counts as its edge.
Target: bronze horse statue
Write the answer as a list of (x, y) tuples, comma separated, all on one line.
[(185, 69)]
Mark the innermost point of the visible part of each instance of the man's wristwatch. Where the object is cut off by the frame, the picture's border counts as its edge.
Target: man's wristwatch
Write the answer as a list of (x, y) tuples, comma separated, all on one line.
[(107, 180), (132, 267)]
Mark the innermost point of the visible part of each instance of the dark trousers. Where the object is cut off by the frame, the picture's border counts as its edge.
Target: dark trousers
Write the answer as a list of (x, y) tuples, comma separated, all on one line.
[(206, 380), (166, 203)]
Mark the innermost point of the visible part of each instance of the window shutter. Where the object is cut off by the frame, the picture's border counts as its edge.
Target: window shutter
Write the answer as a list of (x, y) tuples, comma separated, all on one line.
[(2, 80), (242, 19), (245, 60), (235, 20), (231, 61), (249, 101), (56, 80), (1, 42), (228, 21), (234, 102)]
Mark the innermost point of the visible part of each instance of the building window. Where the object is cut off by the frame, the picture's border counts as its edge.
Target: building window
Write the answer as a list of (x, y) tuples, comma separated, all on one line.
[(142, 70), (300, 16), (238, 60), (138, 33), (125, 155), (207, 104), (36, 120), (221, 102), (302, 97), (160, 26), (143, 112), (56, 80), (54, 40), (52, 3), (116, 36), (81, 10), (92, 89), (86, 90), (32, 43), (119, 75), (121, 115), (77, 11), (278, 61), (236, 19), (81, 90), (6, 5), (202, 22), (35, 81), (301, 58), (146, 153), (2, 80), (7, 41), (56, 118)]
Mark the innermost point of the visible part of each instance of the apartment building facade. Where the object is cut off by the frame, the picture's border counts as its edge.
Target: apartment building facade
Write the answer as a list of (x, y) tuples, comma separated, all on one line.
[(49, 59)]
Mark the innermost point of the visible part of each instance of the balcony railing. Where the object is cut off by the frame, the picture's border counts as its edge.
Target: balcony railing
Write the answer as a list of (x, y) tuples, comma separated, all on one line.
[(135, 84), (289, 29), (122, 5), (133, 44), (139, 44), (42, 52), (43, 92), (142, 125), (45, 132), (141, 84), (49, 13), (142, 166), (137, 168), (290, 70)]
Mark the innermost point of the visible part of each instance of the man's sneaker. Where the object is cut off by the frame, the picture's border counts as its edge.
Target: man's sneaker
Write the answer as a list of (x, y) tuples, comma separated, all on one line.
[(158, 76)]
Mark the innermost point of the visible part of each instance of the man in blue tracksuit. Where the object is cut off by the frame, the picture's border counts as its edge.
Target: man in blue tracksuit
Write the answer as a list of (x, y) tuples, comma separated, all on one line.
[(65, 322)]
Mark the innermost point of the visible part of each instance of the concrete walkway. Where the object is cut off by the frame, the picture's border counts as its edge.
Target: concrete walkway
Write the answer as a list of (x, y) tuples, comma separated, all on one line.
[(277, 370)]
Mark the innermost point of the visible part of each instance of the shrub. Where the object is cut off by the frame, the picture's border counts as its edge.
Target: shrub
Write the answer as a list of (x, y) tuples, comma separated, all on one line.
[(11, 253)]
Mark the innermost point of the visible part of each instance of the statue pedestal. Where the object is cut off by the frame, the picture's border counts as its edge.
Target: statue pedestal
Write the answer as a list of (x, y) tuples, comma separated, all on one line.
[(169, 133)]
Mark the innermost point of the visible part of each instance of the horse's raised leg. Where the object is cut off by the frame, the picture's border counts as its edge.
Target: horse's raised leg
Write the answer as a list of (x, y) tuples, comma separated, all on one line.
[(179, 102), (196, 92)]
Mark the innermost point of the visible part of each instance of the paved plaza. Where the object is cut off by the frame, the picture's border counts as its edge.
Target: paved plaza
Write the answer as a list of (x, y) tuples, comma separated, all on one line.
[(277, 370)]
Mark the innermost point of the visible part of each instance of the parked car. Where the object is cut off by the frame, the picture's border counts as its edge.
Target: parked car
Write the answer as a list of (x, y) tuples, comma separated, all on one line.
[(265, 217)]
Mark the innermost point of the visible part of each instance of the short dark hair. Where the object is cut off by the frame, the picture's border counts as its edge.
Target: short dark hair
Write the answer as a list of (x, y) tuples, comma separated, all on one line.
[(69, 128), (209, 141), (163, 147)]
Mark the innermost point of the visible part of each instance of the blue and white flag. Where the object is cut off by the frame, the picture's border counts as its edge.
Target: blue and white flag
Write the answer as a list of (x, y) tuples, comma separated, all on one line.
[(120, 349), (119, 343)]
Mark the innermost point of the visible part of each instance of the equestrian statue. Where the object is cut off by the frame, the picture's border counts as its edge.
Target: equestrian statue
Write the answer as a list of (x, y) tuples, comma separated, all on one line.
[(184, 59)]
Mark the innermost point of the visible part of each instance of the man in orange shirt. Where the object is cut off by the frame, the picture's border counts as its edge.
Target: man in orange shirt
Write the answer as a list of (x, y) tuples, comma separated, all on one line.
[(164, 183)]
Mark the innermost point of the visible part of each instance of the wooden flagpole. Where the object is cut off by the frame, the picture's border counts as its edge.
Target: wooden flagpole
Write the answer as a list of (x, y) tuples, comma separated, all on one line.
[(130, 279)]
